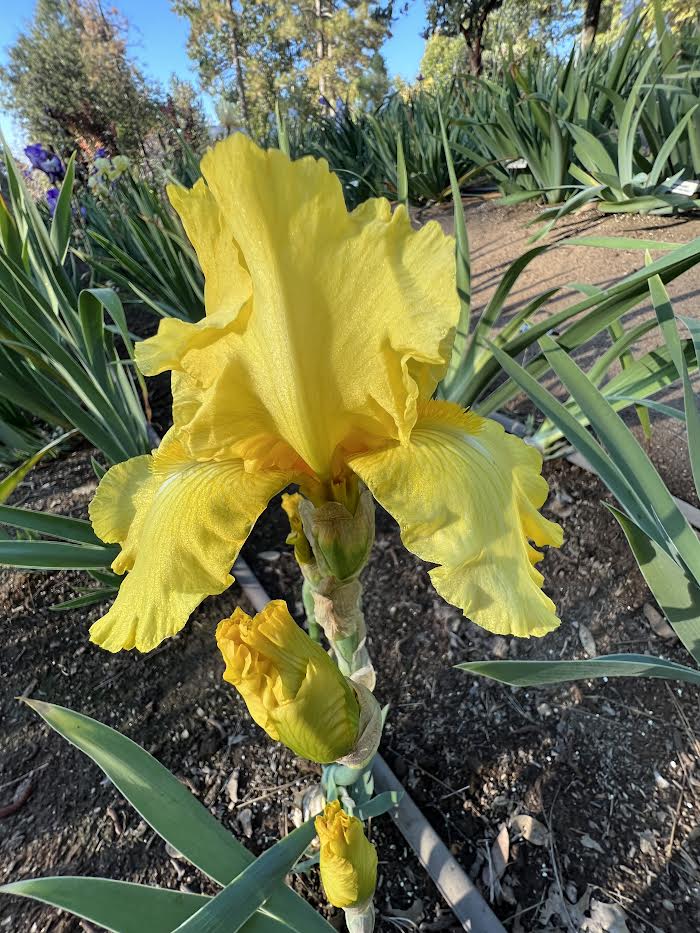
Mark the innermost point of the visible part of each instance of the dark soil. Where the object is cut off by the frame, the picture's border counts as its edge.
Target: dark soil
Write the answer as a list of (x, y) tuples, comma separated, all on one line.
[(607, 769), (174, 703)]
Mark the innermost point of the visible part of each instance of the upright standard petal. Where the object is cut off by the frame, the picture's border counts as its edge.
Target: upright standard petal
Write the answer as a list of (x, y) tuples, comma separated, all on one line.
[(181, 525), (466, 496), (227, 285), (351, 315)]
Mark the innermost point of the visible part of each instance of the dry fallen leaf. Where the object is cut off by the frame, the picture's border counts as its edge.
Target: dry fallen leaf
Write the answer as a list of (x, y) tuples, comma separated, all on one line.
[(495, 867), (605, 918), (657, 622), (530, 829), (589, 843), (587, 640)]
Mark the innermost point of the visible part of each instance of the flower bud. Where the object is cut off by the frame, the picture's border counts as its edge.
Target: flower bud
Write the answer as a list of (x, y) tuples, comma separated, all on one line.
[(341, 539), (291, 687), (348, 860), (296, 536)]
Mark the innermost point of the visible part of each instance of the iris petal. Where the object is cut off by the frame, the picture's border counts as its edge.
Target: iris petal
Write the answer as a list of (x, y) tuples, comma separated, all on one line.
[(466, 496), (181, 525), (350, 320)]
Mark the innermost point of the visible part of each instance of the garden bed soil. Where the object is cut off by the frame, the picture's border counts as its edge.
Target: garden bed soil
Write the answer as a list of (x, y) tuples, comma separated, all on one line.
[(608, 770)]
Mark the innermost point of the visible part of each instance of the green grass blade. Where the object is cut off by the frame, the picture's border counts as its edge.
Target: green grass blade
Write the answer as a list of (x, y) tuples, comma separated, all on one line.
[(54, 555), (282, 135), (229, 910), (577, 435), (464, 288), (536, 673), (694, 328), (667, 148), (401, 173), (56, 526), (627, 131), (601, 310), (674, 589), (63, 216), (628, 454), (169, 808), (115, 905), (658, 407), (87, 599), (667, 323), (493, 309), (12, 481), (378, 805)]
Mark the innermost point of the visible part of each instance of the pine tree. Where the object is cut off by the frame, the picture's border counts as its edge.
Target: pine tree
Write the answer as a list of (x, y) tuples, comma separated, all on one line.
[(253, 53)]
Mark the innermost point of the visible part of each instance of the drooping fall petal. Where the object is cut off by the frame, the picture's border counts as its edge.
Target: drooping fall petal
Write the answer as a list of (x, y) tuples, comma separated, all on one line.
[(292, 688), (181, 525), (466, 496)]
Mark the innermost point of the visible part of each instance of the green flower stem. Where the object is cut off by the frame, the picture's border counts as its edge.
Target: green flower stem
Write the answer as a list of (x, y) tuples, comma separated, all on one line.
[(307, 595)]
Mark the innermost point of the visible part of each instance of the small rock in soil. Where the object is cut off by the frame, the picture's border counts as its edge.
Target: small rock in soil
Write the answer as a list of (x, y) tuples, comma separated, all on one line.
[(498, 647), (589, 843), (587, 640), (245, 818)]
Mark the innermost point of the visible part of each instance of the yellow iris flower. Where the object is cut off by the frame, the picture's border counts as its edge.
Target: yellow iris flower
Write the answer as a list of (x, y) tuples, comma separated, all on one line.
[(325, 336), (292, 688), (348, 860)]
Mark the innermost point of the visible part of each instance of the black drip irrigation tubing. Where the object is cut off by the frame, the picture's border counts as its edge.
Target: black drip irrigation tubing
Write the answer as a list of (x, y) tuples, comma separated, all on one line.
[(457, 888)]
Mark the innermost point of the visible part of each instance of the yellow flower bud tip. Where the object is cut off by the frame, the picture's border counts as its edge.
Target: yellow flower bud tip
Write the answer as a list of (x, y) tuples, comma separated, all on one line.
[(348, 860), (292, 688), (290, 504), (296, 537)]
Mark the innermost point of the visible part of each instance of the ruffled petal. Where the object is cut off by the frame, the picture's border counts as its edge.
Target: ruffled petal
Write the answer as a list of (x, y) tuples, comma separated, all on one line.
[(181, 525), (227, 283), (466, 496), (351, 317)]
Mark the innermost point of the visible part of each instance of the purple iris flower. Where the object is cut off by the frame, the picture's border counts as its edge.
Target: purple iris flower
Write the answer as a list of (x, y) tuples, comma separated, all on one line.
[(47, 162), (54, 168), (52, 199), (101, 153), (36, 154)]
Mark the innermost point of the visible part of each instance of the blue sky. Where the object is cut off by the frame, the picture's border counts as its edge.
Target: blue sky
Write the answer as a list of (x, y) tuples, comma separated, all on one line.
[(158, 40)]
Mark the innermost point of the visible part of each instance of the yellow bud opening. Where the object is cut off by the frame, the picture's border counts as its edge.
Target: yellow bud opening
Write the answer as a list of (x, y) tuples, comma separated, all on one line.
[(292, 688), (348, 860), (296, 536)]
